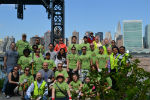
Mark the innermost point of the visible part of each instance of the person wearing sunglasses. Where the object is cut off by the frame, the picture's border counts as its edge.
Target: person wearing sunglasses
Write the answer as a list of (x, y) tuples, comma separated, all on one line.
[(13, 82), (72, 62), (25, 79), (84, 63), (60, 45)]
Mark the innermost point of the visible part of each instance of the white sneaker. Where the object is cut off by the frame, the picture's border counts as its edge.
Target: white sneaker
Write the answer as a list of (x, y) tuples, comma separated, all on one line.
[(7, 96)]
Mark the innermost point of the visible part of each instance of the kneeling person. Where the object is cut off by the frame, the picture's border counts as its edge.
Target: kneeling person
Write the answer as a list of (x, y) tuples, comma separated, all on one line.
[(37, 85)]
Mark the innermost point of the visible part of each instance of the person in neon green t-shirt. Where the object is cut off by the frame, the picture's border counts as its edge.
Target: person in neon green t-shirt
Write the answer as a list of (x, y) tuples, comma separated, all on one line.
[(51, 63), (74, 39), (22, 44), (86, 44), (92, 52), (25, 79), (38, 61), (25, 61), (102, 59), (61, 71), (60, 84), (75, 86)]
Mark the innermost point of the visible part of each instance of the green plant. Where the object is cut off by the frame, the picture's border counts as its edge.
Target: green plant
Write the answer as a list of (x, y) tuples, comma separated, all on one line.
[(132, 83)]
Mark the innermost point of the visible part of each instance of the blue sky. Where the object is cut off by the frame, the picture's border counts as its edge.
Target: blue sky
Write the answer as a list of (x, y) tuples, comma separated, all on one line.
[(80, 15)]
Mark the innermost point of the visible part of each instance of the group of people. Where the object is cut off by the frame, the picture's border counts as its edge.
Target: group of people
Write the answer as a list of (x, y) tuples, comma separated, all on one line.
[(61, 73)]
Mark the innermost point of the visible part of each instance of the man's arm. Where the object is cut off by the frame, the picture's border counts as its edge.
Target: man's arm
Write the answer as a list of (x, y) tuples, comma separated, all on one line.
[(30, 89)]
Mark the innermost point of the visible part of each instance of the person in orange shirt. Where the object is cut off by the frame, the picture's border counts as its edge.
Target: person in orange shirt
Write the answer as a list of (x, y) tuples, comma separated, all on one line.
[(60, 45)]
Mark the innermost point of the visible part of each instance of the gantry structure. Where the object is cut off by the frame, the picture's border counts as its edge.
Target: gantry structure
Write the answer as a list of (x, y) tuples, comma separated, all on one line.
[(54, 8)]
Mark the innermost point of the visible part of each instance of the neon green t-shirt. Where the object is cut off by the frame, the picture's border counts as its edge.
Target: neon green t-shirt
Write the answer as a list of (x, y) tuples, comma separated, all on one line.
[(29, 79), (24, 62), (93, 55), (71, 45), (64, 72), (51, 64), (38, 63), (73, 58), (83, 44), (75, 85), (85, 61), (63, 86), (21, 45), (102, 60)]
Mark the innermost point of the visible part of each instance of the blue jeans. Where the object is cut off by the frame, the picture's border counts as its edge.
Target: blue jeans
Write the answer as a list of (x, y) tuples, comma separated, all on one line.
[(8, 70)]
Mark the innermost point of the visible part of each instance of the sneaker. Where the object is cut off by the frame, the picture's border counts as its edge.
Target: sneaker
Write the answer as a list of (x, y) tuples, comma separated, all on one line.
[(7, 96)]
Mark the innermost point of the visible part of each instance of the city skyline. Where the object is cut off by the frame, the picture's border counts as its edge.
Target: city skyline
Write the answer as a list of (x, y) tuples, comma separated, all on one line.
[(82, 16)]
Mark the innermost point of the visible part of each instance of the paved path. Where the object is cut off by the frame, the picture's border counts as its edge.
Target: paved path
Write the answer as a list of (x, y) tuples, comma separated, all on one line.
[(2, 97)]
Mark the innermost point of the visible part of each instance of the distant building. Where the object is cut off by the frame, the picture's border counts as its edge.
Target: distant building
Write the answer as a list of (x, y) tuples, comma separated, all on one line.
[(100, 34), (119, 41), (5, 44), (118, 31), (108, 36), (1, 47), (47, 40), (69, 40), (77, 35), (132, 30), (32, 40), (147, 36)]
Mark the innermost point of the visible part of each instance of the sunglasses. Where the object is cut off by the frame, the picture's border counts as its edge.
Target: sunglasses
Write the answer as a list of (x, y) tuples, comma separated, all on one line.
[(15, 69), (73, 49), (83, 49), (59, 66), (27, 70), (60, 40)]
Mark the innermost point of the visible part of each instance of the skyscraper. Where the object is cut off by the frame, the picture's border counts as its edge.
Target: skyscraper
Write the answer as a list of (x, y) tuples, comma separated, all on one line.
[(100, 34), (108, 36), (147, 36), (74, 33), (132, 30), (118, 31)]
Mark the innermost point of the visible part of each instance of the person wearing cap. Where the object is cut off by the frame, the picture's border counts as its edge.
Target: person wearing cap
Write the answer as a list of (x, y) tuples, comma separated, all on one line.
[(91, 38), (38, 84), (60, 45), (72, 62), (74, 39), (102, 59), (85, 44), (106, 45), (92, 52), (22, 44), (60, 90), (60, 70), (84, 63)]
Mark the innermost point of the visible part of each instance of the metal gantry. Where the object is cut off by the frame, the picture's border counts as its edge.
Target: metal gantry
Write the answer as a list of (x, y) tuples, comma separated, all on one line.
[(54, 8)]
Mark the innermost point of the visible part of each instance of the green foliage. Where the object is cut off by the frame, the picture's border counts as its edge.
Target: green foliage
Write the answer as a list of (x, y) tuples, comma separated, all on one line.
[(132, 83)]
